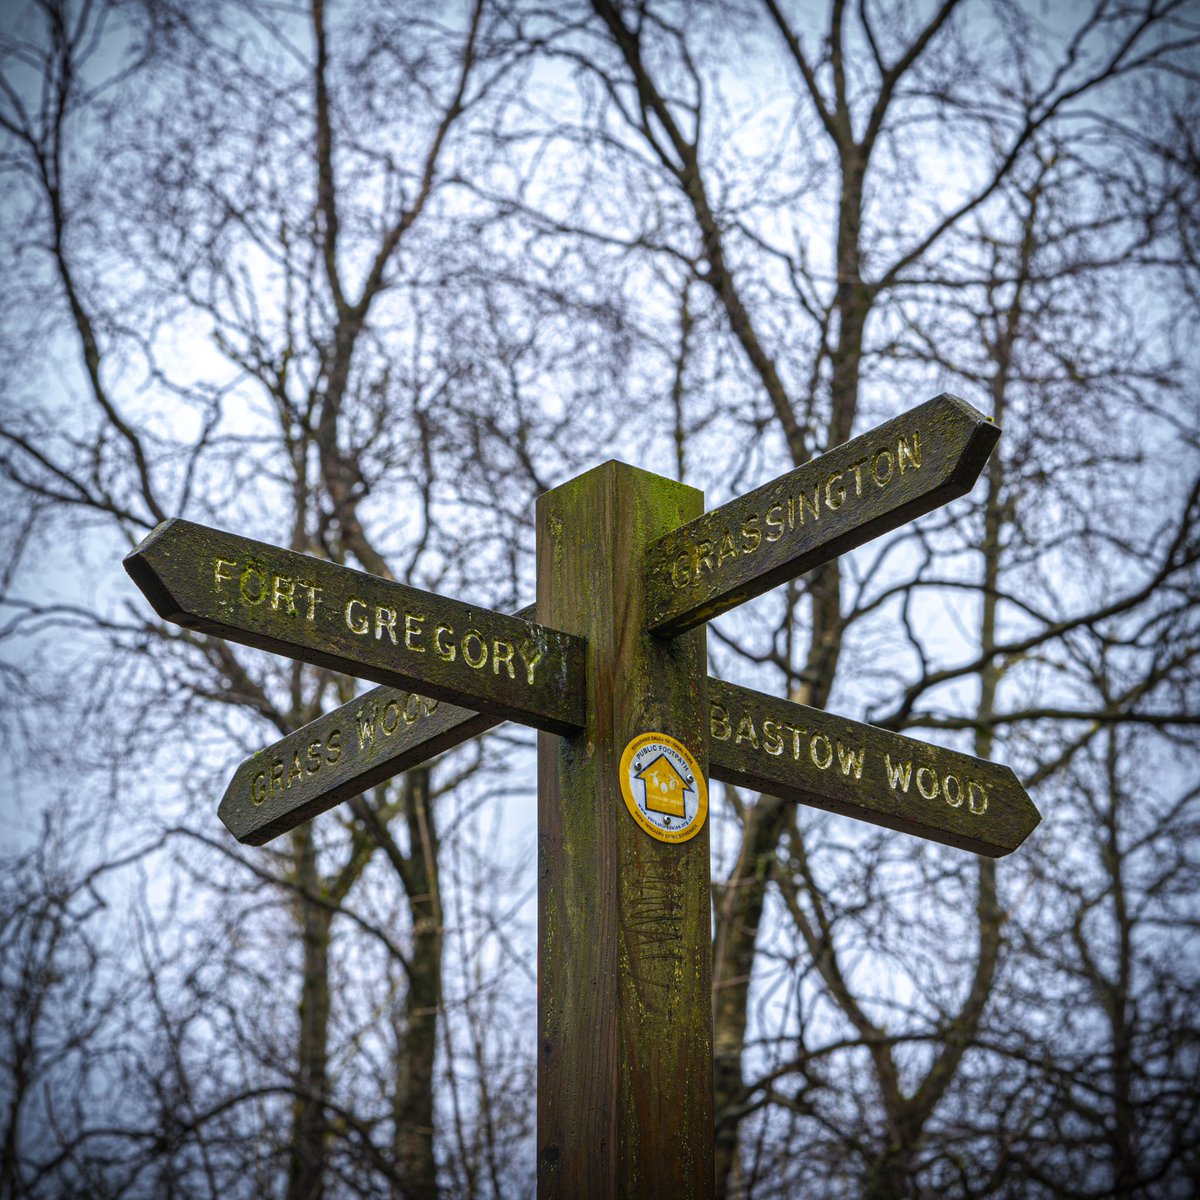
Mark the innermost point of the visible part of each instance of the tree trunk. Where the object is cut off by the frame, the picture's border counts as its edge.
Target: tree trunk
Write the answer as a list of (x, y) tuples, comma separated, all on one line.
[(738, 913), (306, 1167), (416, 1029)]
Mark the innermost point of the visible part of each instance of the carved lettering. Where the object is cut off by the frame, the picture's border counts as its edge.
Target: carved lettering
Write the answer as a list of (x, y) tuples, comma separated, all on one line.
[(284, 590), (333, 747), (256, 586), (753, 733), (746, 732), (813, 505), (253, 583), (312, 589), (977, 798), (850, 760), (797, 732), (681, 560), (370, 721), (751, 537), (857, 467), (366, 728), (957, 798), (480, 657), (531, 661), (412, 631), (385, 618), (260, 592), (821, 759), (446, 651), (313, 758), (835, 492), (774, 524), (504, 658), (306, 761), (949, 786), (718, 723), (772, 741), (899, 775), (910, 452), (794, 509), (356, 624)]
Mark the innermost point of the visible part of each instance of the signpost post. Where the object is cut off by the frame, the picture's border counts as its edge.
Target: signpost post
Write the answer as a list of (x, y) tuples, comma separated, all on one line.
[(630, 729)]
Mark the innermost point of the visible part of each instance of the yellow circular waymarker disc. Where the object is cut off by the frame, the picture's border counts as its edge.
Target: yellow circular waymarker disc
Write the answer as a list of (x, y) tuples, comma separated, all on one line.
[(664, 788)]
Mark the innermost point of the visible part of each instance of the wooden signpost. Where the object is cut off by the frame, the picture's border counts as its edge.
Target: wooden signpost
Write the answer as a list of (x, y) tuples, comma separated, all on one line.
[(612, 674)]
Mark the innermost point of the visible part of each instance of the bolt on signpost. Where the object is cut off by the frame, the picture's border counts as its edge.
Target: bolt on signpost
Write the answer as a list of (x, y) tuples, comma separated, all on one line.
[(612, 675)]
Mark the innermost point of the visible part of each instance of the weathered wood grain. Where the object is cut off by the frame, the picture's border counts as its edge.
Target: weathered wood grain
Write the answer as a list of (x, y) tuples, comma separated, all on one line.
[(349, 621), (757, 741), (861, 771), (624, 963), (850, 494), (340, 755)]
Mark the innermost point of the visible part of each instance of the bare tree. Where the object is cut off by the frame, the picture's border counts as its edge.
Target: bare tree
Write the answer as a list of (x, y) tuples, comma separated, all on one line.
[(272, 205), (430, 264), (981, 284)]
